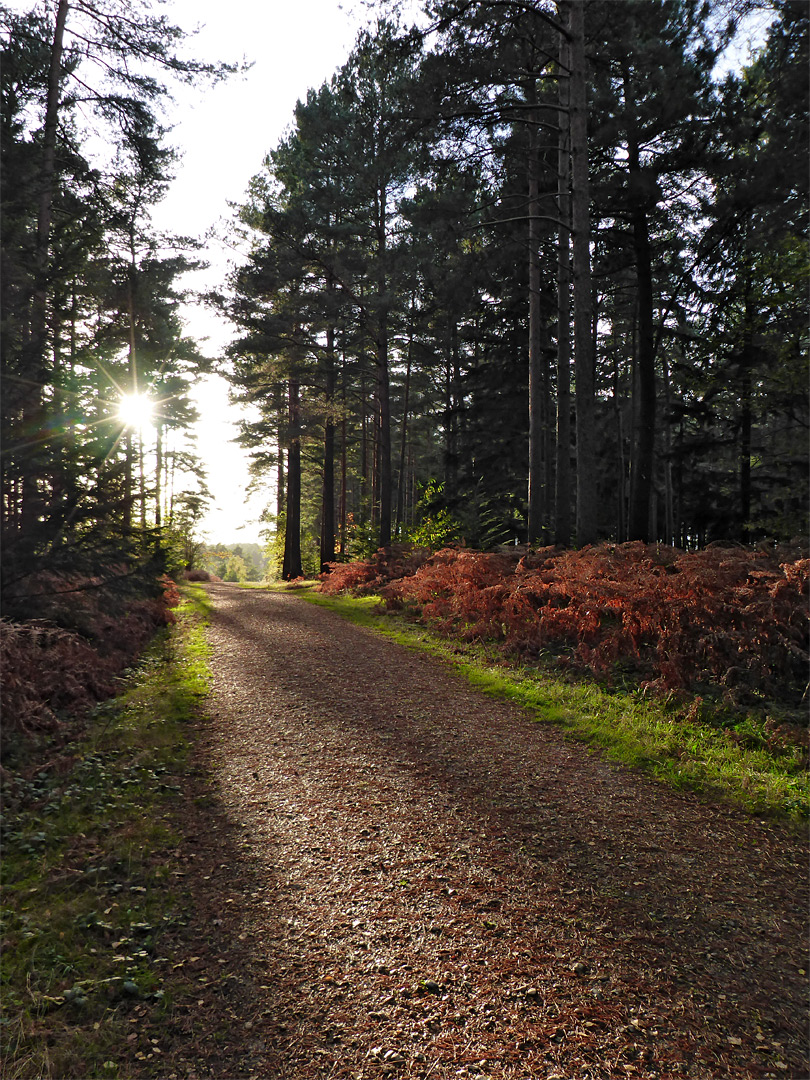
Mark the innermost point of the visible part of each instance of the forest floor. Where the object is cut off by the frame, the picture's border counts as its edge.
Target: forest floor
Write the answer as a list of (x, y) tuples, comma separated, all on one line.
[(395, 875)]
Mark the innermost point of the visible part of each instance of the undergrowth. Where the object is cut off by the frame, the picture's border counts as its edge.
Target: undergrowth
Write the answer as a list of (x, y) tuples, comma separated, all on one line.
[(696, 744), (87, 886), (58, 666)]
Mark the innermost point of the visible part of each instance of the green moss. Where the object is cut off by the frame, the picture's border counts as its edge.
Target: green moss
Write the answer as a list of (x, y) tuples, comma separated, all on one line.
[(86, 849)]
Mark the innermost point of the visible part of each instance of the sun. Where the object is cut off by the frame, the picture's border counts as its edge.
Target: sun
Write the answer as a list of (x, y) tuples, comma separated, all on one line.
[(136, 411)]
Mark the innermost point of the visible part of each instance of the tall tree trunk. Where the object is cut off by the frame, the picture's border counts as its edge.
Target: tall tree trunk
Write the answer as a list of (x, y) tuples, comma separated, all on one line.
[(158, 473), (584, 354), (48, 172), (746, 417), (403, 442), (549, 438), (278, 396), (129, 498), (327, 551), (291, 566), (562, 487), (171, 485), (642, 465), (364, 454), (383, 449), (383, 455), (344, 459), (642, 461), (33, 418), (669, 501), (141, 480), (451, 413), (535, 513)]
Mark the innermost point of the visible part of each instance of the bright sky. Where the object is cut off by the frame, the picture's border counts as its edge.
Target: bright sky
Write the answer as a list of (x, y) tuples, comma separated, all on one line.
[(224, 132)]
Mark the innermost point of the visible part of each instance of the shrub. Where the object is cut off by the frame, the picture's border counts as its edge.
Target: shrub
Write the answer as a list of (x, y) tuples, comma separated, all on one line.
[(200, 575), (733, 619), (51, 672), (369, 575)]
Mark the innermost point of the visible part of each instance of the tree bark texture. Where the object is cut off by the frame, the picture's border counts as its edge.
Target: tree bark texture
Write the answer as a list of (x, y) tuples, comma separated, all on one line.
[(327, 546), (535, 493), (404, 434), (642, 466), (746, 413), (584, 358), (291, 566), (383, 448), (562, 483), (33, 418)]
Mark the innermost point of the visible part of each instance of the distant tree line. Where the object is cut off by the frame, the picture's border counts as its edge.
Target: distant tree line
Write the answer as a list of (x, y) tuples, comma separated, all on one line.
[(234, 562), (534, 271)]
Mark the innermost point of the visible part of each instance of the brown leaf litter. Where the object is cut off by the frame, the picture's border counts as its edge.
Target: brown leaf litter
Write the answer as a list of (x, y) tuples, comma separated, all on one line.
[(393, 875)]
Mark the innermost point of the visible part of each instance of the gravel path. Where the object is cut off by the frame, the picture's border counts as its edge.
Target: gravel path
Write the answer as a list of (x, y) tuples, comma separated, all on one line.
[(421, 881)]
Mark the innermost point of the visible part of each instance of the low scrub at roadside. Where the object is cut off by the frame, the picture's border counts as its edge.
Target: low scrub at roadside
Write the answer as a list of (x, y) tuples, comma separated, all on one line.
[(88, 896), (693, 665), (56, 668), (366, 576), (726, 620)]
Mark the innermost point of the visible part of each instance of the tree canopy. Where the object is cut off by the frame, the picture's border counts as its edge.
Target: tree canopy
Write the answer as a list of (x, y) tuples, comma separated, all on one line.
[(532, 264), (90, 301), (522, 271)]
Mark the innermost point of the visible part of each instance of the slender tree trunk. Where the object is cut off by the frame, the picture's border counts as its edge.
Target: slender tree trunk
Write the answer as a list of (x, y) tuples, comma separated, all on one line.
[(48, 173), (344, 463), (171, 486), (34, 418), (617, 337), (621, 527), (129, 498), (403, 442), (133, 385), (584, 355), (643, 460), (383, 455), (452, 410), (535, 494), (158, 471), (383, 449), (141, 481), (292, 567), (746, 417), (281, 476), (669, 501), (327, 551), (562, 494), (364, 454), (549, 440)]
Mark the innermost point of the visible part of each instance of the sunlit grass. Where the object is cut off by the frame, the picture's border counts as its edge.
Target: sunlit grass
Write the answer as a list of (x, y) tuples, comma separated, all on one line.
[(704, 750), (86, 851)]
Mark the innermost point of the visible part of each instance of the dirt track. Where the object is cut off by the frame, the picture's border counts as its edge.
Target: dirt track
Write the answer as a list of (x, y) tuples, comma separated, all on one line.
[(409, 878)]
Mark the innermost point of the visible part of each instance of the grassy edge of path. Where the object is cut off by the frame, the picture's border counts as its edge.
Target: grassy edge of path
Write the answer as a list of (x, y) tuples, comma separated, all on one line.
[(686, 746), (89, 895)]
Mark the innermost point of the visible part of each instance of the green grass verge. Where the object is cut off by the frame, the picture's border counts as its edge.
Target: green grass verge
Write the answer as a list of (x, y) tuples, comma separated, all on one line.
[(697, 746), (87, 892)]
